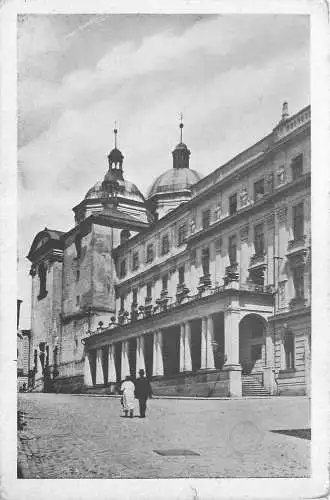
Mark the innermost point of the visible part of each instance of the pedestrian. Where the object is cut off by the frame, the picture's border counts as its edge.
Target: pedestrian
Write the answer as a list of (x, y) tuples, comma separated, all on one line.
[(127, 389), (142, 392)]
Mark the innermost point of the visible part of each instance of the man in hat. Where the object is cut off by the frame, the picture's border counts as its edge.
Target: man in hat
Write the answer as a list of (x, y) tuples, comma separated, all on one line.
[(142, 392)]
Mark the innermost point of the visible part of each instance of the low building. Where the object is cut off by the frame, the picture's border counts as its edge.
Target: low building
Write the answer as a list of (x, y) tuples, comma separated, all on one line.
[(205, 283)]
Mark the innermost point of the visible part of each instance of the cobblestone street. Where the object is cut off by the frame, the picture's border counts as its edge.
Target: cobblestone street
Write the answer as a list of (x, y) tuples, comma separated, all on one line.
[(71, 436)]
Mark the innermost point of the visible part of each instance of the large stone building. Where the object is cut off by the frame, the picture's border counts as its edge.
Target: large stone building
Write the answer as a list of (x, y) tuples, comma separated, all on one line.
[(205, 283)]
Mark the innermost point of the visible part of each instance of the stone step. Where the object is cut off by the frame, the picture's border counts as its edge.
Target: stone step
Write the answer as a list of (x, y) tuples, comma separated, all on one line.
[(252, 387)]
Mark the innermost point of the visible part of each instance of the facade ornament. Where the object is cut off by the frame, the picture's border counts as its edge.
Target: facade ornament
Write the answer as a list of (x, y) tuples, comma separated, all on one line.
[(192, 226), (218, 211), (244, 232), (33, 270), (280, 175), (244, 197)]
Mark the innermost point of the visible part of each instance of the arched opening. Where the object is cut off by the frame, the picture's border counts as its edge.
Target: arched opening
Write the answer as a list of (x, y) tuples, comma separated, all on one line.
[(252, 349)]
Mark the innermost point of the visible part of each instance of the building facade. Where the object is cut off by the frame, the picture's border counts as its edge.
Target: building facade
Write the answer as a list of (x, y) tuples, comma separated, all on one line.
[(205, 283)]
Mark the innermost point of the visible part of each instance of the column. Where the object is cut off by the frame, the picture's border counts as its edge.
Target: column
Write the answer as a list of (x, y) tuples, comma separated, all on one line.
[(88, 381), (39, 365), (182, 347), (187, 347), (111, 364), (99, 368), (232, 366), (124, 360), (140, 361), (203, 343), (209, 343), (158, 368), (269, 379)]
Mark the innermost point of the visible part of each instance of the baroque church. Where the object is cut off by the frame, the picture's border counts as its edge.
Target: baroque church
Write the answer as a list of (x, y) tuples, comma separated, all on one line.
[(205, 282)]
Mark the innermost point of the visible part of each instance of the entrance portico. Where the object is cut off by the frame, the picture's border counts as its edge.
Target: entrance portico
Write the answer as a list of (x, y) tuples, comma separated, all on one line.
[(204, 339)]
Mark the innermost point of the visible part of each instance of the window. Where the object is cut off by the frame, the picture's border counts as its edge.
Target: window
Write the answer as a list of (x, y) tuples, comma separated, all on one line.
[(77, 243), (289, 351), (77, 300), (259, 189), (165, 244), (42, 273), (165, 282), (233, 204), (298, 281), (232, 249), (297, 167), (256, 352), (298, 221), (135, 262), (182, 234), (122, 302), (150, 252), (78, 274), (134, 293), (206, 218), (122, 271), (124, 235), (259, 240), (149, 290), (181, 275), (206, 261)]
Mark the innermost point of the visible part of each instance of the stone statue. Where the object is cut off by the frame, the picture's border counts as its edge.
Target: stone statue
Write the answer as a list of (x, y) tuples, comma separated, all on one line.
[(281, 175), (192, 225), (244, 197), (218, 211)]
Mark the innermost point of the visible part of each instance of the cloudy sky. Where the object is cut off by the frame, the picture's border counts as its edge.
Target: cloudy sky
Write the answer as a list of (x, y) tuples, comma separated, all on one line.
[(77, 74)]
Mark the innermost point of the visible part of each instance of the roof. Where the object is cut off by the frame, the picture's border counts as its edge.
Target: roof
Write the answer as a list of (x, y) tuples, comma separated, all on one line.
[(46, 236), (174, 180)]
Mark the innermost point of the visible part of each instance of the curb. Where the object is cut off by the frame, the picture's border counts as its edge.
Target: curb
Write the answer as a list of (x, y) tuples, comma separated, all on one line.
[(193, 398)]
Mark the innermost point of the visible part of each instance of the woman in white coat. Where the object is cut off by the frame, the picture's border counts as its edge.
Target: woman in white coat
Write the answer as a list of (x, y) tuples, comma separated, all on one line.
[(127, 389)]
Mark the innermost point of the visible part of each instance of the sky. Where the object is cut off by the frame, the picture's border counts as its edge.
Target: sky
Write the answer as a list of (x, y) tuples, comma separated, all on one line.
[(78, 74)]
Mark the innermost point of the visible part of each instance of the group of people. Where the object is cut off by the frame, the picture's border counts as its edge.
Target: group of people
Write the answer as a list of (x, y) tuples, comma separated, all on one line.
[(130, 390)]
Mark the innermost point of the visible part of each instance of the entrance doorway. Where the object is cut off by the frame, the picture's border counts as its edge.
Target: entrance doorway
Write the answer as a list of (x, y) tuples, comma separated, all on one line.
[(171, 350)]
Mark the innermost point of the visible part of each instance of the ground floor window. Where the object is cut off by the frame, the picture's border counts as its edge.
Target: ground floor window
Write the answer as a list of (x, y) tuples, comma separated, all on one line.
[(289, 351)]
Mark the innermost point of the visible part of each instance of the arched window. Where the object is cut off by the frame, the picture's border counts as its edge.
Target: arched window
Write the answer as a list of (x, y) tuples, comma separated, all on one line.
[(124, 235), (289, 350), (42, 273)]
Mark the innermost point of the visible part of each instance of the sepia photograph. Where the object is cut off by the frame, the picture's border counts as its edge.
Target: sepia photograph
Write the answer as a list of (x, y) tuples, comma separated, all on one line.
[(164, 235)]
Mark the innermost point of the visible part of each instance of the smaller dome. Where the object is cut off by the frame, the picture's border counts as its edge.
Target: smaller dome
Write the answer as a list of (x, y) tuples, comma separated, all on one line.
[(174, 180), (181, 145), (95, 192), (126, 190)]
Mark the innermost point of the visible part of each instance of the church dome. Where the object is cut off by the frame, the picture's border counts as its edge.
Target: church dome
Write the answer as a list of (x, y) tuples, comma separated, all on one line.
[(124, 189), (174, 180)]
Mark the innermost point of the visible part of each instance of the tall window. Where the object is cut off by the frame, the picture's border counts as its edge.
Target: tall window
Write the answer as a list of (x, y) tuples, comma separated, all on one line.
[(206, 261), (259, 240), (289, 350), (233, 204), (135, 261), (297, 167), (134, 297), (206, 218), (182, 234), (42, 273), (181, 275), (150, 252), (165, 244), (165, 282), (298, 221), (122, 270), (232, 249), (149, 290), (298, 281), (77, 243), (259, 189)]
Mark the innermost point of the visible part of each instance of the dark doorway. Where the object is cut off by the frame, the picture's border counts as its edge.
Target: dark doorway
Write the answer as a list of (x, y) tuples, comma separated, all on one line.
[(118, 361), (105, 357), (132, 357), (171, 350), (92, 364), (196, 328), (148, 353), (219, 340)]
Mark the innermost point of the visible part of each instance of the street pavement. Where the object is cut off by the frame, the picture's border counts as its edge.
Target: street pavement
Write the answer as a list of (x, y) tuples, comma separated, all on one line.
[(73, 436)]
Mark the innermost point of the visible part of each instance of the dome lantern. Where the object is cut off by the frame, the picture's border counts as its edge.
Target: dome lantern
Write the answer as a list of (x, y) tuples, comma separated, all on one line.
[(115, 159), (181, 153)]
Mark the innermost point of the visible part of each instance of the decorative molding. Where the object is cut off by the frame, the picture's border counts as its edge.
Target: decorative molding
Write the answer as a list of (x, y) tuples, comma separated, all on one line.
[(270, 220), (244, 232), (282, 213)]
